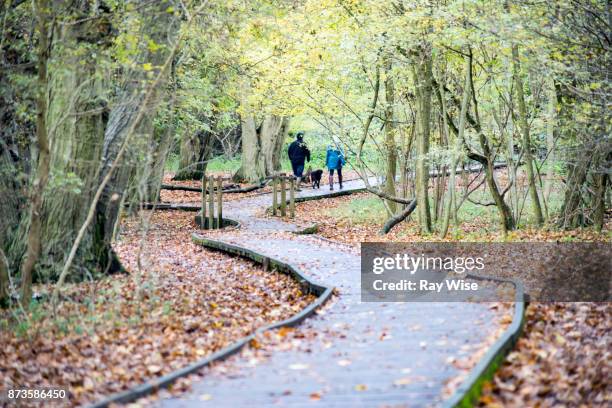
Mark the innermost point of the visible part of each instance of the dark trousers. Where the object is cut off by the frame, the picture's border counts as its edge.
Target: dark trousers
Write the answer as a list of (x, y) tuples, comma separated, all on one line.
[(331, 175), (298, 168)]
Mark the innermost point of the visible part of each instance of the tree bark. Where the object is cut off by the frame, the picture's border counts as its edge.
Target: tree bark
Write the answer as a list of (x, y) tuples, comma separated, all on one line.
[(523, 120), (390, 146), (450, 201), (396, 219), (601, 186), (4, 279), (550, 144), (195, 151), (570, 214), (261, 147), (42, 172), (423, 81)]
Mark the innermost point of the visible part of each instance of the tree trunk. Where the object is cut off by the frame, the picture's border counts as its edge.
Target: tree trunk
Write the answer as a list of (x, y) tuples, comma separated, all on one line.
[(423, 80), (195, 151), (4, 279), (76, 121), (601, 186), (527, 154), (550, 144), (465, 101), (261, 147), (390, 146), (42, 172), (570, 215)]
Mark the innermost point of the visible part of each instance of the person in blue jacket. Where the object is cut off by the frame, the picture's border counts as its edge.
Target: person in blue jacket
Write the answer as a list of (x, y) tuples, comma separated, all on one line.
[(298, 152), (334, 160)]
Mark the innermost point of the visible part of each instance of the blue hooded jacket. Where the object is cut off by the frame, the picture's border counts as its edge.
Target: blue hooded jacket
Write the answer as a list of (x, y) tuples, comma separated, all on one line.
[(334, 159)]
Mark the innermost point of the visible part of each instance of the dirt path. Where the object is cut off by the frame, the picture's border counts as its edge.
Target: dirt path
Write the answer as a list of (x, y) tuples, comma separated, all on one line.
[(352, 353)]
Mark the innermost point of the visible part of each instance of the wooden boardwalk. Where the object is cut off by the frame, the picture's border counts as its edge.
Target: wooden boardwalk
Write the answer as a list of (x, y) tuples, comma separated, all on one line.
[(355, 354)]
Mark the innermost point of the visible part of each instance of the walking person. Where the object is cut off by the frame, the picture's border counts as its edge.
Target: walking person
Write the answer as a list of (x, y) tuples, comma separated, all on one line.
[(298, 152), (334, 160)]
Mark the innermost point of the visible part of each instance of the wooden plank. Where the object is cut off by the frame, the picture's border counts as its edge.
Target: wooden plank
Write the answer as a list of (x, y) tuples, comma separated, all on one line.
[(274, 203), (283, 197), (219, 203), (211, 202), (202, 220), (292, 198)]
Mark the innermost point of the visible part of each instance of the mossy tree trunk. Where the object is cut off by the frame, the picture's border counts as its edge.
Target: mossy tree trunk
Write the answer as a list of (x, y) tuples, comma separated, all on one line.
[(195, 151), (89, 113), (43, 18), (261, 147)]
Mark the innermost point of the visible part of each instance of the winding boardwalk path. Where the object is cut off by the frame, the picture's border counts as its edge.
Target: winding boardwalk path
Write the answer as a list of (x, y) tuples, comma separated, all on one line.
[(365, 354)]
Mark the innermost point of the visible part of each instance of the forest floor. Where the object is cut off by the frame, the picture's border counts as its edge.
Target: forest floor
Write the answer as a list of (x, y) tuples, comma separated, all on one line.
[(563, 357), (179, 303)]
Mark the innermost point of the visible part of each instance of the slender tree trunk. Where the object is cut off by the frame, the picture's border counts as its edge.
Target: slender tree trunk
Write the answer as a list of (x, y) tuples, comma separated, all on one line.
[(4, 279), (512, 175), (390, 146), (601, 186), (423, 80), (407, 138), (527, 154), (42, 172), (550, 143), (465, 101)]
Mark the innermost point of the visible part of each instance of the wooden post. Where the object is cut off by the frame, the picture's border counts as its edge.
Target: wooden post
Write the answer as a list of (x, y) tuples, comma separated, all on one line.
[(283, 196), (274, 204), (292, 198), (203, 213), (211, 202), (219, 202)]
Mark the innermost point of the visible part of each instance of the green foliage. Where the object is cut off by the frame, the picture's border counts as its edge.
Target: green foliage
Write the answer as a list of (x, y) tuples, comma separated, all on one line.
[(65, 182)]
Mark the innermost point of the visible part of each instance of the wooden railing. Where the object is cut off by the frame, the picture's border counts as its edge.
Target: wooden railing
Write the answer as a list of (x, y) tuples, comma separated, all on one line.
[(279, 185), (208, 199)]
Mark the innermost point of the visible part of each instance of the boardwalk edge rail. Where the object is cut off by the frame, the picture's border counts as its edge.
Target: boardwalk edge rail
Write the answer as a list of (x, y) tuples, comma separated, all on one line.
[(470, 390), (322, 292)]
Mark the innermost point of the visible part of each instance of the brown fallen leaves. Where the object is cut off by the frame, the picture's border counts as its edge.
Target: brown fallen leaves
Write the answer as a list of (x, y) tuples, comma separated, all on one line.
[(183, 303), (563, 358)]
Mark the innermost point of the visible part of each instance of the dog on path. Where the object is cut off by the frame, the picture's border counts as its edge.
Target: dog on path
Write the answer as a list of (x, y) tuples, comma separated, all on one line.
[(315, 178)]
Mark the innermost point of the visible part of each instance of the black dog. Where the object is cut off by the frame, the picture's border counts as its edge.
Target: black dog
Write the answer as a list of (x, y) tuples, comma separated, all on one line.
[(315, 177)]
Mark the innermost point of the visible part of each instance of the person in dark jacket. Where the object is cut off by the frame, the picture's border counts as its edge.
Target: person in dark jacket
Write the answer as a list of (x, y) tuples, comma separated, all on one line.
[(334, 160), (298, 152)]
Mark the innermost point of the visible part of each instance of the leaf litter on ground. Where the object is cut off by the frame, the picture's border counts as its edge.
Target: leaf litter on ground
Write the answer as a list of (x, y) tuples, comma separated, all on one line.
[(179, 303)]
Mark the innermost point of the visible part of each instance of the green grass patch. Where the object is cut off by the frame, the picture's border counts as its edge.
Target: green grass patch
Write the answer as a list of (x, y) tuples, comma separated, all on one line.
[(368, 210)]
